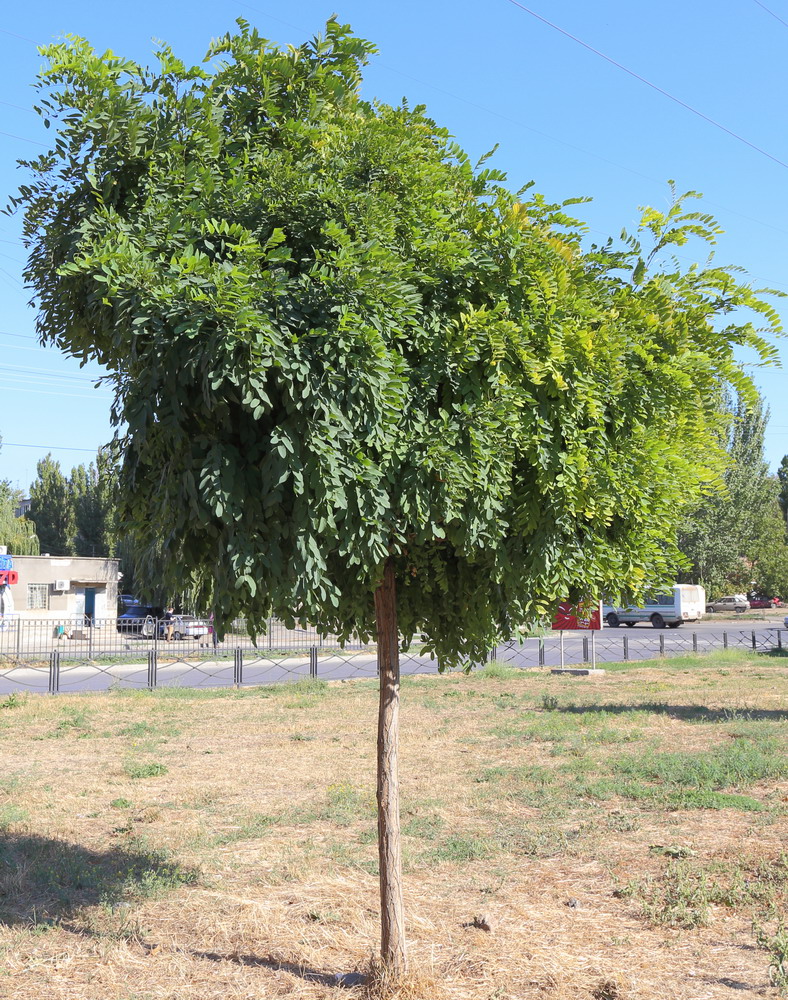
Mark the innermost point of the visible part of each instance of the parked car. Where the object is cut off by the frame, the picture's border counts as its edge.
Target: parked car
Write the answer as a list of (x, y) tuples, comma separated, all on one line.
[(734, 602), (184, 627), (138, 619), (764, 602)]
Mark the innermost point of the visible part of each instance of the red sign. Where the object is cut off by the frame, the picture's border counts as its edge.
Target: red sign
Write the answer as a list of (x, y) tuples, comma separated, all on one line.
[(585, 615), (8, 576)]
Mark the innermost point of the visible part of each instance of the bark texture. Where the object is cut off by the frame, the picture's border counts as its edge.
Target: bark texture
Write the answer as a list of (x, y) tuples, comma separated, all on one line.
[(392, 944)]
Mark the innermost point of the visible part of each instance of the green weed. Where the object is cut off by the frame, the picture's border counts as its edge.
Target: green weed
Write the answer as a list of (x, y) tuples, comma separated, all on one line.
[(137, 770), (458, 849), (74, 721), (738, 764), (776, 944), (10, 814)]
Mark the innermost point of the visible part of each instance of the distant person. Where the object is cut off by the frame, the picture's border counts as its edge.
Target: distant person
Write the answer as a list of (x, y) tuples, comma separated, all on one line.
[(169, 624)]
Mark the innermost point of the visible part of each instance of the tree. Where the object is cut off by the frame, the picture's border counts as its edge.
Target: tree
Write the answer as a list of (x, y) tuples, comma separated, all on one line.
[(363, 384), (16, 533), (782, 475), (722, 534), (93, 491), (768, 561), (52, 508)]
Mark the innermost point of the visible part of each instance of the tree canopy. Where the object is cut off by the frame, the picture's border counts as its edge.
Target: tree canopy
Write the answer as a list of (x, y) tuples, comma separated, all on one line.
[(731, 538), (16, 533), (334, 340)]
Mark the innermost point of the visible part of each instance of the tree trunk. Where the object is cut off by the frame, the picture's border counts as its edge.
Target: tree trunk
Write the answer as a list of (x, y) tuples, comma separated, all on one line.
[(392, 941)]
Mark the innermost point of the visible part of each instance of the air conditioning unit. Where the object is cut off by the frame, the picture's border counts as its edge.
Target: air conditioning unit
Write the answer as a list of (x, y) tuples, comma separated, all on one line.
[(62, 584)]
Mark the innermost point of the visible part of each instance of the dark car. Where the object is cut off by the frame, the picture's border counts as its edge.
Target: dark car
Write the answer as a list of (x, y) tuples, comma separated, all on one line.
[(756, 601), (138, 619)]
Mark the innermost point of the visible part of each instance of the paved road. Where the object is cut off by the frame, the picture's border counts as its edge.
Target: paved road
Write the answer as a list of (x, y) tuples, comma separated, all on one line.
[(192, 667)]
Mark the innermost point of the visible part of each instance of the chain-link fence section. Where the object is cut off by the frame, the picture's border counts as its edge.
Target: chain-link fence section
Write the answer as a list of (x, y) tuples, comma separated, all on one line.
[(53, 656)]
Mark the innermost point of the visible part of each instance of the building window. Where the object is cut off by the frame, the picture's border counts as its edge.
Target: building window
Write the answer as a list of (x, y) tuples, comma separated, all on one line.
[(37, 596)]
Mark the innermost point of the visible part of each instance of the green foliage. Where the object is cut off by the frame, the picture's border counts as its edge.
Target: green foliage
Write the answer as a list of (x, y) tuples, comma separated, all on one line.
[(733, 525), (782, 476), (776, 943), (52, 508), (769, 553), (333, 340), (138, 769), (93, 490), (16, 533)]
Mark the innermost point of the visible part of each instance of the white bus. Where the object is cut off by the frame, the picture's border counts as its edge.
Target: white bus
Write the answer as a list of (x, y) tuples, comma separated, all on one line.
[(686, 602)]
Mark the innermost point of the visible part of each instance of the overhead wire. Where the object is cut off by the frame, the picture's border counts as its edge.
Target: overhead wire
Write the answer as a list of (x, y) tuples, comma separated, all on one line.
[(770, 11), (13, 34), (648, 83), (45, 447)]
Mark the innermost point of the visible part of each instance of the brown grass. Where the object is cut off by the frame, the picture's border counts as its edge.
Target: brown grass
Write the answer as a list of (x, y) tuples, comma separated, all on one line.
[(246, 866)]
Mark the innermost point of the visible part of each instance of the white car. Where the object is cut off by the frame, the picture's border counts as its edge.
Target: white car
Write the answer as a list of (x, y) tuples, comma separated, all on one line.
[(184, 627)]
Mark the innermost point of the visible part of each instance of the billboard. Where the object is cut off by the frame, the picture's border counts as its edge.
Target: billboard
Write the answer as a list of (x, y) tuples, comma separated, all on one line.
[(586, 614)]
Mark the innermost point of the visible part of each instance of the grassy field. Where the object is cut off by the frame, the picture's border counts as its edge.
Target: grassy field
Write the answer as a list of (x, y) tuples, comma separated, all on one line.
[(622, 837)]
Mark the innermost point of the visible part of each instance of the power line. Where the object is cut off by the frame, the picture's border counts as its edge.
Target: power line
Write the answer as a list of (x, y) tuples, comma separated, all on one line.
[(23, 139), (648, 83), (13, 34), (776, 16), (42, 392), (38, 371), (45, 447), (21, 336), (19, 107)]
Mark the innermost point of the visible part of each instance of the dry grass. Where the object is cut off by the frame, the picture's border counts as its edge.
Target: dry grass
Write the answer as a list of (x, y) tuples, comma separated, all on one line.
[(197, 845)]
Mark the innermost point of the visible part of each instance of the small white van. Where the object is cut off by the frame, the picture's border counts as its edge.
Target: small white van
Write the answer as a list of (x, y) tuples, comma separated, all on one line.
[(685, 603)]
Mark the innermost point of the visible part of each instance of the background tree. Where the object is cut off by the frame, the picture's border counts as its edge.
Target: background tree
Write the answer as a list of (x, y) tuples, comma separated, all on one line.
[(768, 560), (16, 533), (363, 384), (722, 535), (782, 476), (93, 489), (52, 508)]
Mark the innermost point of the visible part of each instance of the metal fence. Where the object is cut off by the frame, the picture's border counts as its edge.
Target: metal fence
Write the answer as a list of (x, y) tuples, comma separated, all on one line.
[(49, 655)]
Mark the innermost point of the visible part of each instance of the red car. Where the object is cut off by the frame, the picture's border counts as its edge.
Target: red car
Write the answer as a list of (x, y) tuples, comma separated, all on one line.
[(764, 602)]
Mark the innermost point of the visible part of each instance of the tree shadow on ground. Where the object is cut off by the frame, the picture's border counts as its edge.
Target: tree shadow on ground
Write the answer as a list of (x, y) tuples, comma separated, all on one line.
[(46, 879), (687, 713), (348, 980)]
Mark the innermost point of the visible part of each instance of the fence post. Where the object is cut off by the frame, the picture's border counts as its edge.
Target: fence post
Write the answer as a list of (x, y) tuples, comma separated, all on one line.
[(694, 642), (754, 644), (152, 669), (541, 650), (313, 661), (585, 649), (779, 638), (724, 640), (561, 643), (90, 640), (19, 637), (238, 667), (270, 636), (54, 671), (661, 644), (625, 644)]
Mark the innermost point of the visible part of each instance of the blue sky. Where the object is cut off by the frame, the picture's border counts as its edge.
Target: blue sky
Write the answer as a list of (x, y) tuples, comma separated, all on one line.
[(492, 73)]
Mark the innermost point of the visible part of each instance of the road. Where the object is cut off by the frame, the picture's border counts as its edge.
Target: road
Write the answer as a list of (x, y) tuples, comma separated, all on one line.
[(195, 667)]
